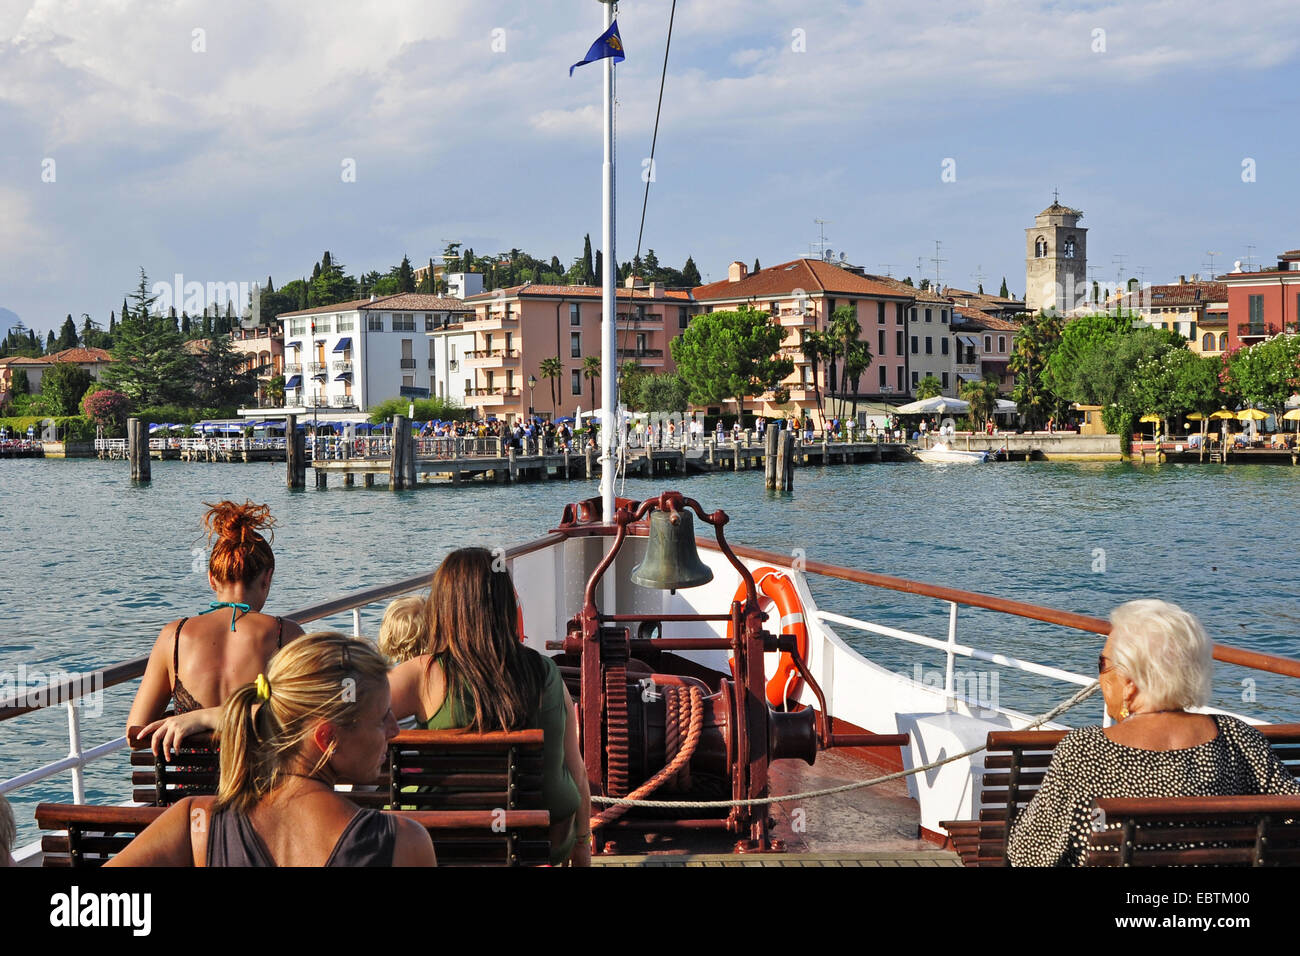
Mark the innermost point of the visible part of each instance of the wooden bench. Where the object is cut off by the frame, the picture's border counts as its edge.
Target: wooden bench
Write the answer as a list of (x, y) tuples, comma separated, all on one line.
[(90, 835), (191, 773), (1014, 766), (1246, 830)]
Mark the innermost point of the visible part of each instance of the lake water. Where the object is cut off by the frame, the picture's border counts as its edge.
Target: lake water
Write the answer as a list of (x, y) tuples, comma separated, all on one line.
[(92, 567)]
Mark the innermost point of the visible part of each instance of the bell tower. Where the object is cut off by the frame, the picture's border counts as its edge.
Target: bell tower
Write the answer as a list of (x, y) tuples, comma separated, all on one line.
[(1056, 259)]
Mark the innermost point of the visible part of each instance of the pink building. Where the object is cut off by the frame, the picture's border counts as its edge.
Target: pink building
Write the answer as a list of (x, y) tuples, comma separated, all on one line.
[(516, 329), (802, 295), (263, 351)]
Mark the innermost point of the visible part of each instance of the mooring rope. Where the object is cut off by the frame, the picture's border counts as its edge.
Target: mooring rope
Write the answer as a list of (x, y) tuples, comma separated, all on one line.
[(631, 799)]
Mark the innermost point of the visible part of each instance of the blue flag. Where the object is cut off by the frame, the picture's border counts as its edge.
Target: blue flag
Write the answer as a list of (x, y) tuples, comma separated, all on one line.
[(607, 44)]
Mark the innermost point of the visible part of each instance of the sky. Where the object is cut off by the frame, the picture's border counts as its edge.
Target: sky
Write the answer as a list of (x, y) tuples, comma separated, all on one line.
[(217, 140)]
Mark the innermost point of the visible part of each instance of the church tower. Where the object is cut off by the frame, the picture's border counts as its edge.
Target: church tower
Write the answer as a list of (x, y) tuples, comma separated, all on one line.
[(1056, 259)]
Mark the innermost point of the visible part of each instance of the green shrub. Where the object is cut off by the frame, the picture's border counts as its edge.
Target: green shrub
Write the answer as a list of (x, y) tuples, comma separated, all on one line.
[(426, 409)]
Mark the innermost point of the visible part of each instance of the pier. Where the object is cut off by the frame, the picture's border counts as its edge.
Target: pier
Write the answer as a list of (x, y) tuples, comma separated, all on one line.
[(457, 460)]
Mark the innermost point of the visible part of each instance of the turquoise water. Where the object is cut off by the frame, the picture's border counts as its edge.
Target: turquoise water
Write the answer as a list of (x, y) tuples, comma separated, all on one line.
[(91, 566)]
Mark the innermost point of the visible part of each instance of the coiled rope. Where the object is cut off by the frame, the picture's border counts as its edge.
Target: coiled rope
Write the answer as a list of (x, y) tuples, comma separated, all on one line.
[(684, 706), (632, 799)]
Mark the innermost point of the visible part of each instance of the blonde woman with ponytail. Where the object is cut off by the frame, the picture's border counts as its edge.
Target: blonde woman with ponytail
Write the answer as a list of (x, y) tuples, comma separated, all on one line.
[(319, 716), (222, 647)]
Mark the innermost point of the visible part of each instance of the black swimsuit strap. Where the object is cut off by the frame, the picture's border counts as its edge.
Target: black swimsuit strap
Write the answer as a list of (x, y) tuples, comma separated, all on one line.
[(279, 635), (176, 649)]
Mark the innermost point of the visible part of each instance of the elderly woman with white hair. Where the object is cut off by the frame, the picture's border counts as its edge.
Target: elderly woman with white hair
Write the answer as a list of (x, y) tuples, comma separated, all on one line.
[(1154, 668)]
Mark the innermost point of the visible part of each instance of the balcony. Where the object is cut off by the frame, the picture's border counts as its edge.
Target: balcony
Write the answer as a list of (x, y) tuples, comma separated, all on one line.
[(492, 358), (292, 368), (493, 319), (408, 363), (1253, 330), (494, 396), (343, 401), (640, 321), (795, 355), (317, 368), (342, 365), (796, 318)]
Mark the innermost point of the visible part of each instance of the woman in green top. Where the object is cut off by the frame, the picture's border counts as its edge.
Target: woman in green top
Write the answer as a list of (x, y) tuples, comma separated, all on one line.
[(476, 674)]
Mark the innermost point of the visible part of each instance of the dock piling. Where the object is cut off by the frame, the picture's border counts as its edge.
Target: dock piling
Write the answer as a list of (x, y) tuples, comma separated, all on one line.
[(295, 454), (137, 440)]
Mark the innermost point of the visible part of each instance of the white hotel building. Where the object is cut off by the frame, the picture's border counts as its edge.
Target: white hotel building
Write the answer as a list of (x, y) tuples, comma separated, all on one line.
[(354, 355)]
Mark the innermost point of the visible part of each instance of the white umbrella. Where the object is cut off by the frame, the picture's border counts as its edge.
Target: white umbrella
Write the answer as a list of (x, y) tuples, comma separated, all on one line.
[(939, 404)]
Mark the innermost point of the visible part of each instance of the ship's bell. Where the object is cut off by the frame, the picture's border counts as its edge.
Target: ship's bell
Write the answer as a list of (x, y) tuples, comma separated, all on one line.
[(671, 561)]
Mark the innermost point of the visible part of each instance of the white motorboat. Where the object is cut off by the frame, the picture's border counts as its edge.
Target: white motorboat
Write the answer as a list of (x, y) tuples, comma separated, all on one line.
[(941, 453)]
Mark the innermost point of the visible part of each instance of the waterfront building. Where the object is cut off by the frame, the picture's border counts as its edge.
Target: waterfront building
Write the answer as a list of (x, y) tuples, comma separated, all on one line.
[(263, 349), (1264, 303), (801, 296), (517, 328), (1056, 260), (1195, 309), (360, 353), (451, 379), (1007, 308), (988, 339), (93, 361)]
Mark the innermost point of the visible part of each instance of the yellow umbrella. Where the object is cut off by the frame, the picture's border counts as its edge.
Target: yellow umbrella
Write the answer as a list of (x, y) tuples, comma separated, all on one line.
[(1149, 418), (1223, 413), (1252, 414), (1293, 415), (1198, 417)]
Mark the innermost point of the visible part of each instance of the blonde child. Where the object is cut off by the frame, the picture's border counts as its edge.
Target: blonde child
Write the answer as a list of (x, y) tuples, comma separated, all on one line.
[(405, 629)]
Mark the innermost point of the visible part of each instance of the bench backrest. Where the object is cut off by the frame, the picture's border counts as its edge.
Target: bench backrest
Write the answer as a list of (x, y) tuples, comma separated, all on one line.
[(1247, 830), (1017, 760), (192, 771), (91, 835)]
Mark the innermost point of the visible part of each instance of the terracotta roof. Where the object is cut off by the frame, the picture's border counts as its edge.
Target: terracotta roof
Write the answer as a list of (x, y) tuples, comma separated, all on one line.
[(28, 360), (400, 302), (196, 346), (572, 291), (987, 320), (417, 302), (1186, 293), (899, 287), (813, 276), (81, 355), (982, 300)]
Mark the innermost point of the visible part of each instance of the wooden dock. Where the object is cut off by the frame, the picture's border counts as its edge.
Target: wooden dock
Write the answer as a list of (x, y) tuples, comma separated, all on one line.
[(505, 464)]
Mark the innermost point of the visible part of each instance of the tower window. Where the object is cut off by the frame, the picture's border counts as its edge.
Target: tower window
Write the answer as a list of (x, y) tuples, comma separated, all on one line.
[(1040, 248), (1068, 250)]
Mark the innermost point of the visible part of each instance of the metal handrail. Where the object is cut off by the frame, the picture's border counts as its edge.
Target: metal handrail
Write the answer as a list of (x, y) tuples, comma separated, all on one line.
[(118, 673)]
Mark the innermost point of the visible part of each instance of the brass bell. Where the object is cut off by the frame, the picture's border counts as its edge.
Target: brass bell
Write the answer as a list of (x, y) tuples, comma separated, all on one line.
[(671, 561)]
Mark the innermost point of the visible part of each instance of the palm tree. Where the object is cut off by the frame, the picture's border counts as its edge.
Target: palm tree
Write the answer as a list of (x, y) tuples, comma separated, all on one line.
[(928, 387), (856, 361), (983, 398), (552, 368), (844, 330), (591, 372), (815, 350)]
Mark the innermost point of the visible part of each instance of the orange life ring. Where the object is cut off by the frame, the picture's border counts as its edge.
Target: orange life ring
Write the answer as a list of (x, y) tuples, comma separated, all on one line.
[(779, 588)]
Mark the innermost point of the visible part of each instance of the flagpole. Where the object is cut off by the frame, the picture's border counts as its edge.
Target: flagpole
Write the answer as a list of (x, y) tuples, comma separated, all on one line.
[(609, 315)]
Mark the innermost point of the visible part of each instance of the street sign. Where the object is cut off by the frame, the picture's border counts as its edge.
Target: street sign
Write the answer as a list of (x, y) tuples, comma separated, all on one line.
[(413, 391)]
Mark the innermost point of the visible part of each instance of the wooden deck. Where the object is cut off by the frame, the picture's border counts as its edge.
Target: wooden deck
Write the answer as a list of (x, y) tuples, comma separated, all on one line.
[(884, 859)]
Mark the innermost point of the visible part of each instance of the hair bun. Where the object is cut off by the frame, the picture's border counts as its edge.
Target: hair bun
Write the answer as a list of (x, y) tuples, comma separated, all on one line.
[(235, 522)]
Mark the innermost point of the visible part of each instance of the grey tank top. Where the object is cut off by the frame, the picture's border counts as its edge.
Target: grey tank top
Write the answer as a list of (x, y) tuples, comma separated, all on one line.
[(368, 840)]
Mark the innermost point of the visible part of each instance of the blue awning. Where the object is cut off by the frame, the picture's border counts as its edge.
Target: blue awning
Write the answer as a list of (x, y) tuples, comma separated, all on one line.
[(345, 343), (295, 381), (343, 377)]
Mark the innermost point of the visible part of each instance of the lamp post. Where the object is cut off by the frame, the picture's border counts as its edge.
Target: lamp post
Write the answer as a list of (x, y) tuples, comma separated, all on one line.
[(532, 384)]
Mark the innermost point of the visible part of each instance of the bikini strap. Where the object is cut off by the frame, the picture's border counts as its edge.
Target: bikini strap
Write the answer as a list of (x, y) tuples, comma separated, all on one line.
[(176, 649), (279, 634)]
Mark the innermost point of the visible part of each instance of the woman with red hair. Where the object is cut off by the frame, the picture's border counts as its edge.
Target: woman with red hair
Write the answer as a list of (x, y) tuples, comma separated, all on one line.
[(197, 662)]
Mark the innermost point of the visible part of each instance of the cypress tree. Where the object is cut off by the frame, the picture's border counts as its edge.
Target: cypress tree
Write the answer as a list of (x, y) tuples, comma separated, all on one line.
[(691, 273), (1002, 293), (185, 324), (757, 267), (50, 344), (589, 270), (405, 275)]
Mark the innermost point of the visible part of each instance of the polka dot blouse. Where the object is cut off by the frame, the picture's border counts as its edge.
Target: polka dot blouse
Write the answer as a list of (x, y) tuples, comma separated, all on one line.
[(1053, 829)]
